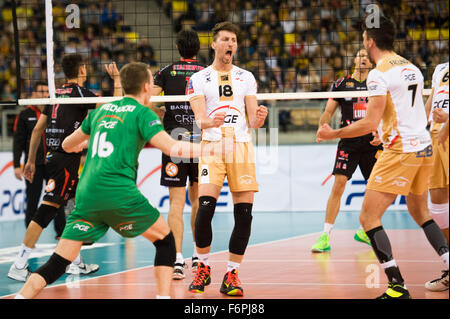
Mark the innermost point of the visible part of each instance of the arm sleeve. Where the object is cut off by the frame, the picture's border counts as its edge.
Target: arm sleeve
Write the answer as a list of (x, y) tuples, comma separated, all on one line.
[(376, 83), (19, 139), (149, 124)]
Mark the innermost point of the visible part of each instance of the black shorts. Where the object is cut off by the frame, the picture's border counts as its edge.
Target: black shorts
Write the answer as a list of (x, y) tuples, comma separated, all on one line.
[(61, 171), (347, 161), (174, 172)]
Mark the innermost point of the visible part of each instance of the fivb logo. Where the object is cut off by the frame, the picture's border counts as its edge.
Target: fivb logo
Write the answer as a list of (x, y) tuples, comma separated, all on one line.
[(73, 19)]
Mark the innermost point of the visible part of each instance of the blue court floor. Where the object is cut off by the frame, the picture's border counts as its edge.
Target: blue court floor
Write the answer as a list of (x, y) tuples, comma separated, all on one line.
[(115, 254)]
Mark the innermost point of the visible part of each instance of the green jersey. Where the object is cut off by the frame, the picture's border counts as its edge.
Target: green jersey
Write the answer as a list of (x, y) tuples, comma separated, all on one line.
[(118, 132)]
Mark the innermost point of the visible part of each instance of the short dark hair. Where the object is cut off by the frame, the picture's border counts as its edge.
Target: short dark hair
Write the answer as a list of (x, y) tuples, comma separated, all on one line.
[(188, 43), (384, 35), (133, 76), (40, 83), (225, 26), (71, 64)]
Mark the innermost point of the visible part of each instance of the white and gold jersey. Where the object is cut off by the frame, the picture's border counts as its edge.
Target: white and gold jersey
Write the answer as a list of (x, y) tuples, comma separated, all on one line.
[(224, 91), (403, 124), (440, 96)]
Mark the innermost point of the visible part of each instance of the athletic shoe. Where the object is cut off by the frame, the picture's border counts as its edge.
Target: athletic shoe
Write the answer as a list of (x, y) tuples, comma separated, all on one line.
[(202, 278), (178, 271), (194, 264), (361, 236), (231, 284), (322, 244), (81, 269), (19, 274), (440, 284), (395, 291)]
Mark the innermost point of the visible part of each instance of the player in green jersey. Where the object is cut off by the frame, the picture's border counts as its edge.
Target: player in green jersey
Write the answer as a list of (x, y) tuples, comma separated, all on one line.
[(107, 195)]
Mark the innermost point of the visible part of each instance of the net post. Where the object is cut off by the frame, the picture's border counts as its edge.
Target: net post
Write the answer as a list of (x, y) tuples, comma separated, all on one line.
[(49, 47), (273, 114)]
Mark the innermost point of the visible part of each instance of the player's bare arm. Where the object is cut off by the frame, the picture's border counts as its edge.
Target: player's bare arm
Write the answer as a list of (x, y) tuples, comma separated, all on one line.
[(113, 72), (35, 140), (198, 106), (158, 110), (364, 126), (439, 115), (428, 103), (75, 142), (327, 114), (256, 113), (174, 148)]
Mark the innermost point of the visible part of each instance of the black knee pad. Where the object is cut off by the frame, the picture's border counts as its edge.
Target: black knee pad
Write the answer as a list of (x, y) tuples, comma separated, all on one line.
[(205, 213), (54, 268), (44, 215), (242, 228), (165, 251)]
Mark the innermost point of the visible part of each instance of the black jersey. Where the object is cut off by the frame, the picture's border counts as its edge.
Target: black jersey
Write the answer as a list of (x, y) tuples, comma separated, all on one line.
[(353, 109), (64, 119), (173, 79)]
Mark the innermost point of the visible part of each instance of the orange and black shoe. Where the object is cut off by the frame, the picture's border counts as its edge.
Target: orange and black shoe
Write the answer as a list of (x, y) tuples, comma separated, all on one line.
[(202, 278), (231, 284)]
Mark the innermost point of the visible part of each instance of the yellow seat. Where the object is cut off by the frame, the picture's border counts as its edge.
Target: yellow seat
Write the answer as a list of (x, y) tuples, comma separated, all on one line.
[(432, 34), (415, 34), (289, 38)]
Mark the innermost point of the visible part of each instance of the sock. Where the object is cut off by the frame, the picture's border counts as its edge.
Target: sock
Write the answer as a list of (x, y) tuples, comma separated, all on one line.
[(22, 257), (445, 258), (195, 252), (162, 297), (382, 248), (327, 228), (19, 296), (436, 238), (180, 259), (203, 258), (77, 260), (233, 265)]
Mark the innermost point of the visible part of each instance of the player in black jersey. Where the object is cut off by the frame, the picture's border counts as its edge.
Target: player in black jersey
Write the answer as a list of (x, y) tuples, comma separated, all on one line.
[(61, 168), (179, 122), (351, 152), (23, 127)]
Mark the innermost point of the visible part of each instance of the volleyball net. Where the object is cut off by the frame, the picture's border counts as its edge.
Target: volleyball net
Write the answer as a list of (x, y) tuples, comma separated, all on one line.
[(295, 48)]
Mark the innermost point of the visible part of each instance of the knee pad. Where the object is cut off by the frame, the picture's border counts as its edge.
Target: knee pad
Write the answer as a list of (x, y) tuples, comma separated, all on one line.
[(439, 212), (44, 215), (165, 251), (242, 228), (205, 213), (54, 268)]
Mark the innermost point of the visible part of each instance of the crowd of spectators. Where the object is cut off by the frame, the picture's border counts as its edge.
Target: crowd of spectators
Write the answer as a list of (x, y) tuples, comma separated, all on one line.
[(289, 45), (101, 36), (304, 45)]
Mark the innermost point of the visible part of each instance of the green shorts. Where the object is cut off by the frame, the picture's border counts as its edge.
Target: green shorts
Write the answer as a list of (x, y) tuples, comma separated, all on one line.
[(90, 226)]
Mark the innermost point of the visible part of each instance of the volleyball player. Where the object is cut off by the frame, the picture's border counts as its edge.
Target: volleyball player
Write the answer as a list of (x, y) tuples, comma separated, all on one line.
[(107, 195), (223, 98), (359, 151), (179, 121), (61, 169), (23, 127), (437, 108), (396, 108)]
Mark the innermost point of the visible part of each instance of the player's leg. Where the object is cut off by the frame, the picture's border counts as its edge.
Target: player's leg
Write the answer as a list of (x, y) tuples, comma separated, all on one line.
[(439, 208), (177, 197), (161, 236), (55, 267), (332, 210), (33, 192), (46, 212), (193, 199)]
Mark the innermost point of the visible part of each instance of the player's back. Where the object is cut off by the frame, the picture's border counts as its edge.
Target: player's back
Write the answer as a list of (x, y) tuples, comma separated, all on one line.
[(118, 131), (403, 124)]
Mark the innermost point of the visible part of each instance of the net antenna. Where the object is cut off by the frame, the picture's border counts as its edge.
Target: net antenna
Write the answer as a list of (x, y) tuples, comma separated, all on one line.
[(49, 48)]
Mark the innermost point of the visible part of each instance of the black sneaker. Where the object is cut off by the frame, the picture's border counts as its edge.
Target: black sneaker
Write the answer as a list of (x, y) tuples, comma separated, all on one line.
[(202, 278), (178, 271), (395, 291)]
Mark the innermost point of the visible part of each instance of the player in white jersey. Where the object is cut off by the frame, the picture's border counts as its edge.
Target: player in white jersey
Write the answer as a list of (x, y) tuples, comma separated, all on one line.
[(437, 108), (223, 98), (396, 108)]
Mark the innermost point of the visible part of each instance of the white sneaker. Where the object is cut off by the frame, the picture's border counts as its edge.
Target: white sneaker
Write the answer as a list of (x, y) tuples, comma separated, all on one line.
[(19, 274), (439, 284), (178, 271), (81, 269)]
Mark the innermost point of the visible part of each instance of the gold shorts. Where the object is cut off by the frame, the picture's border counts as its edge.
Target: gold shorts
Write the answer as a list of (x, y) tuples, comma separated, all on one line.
[(402, 173), (238, 167), (439, 174)]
